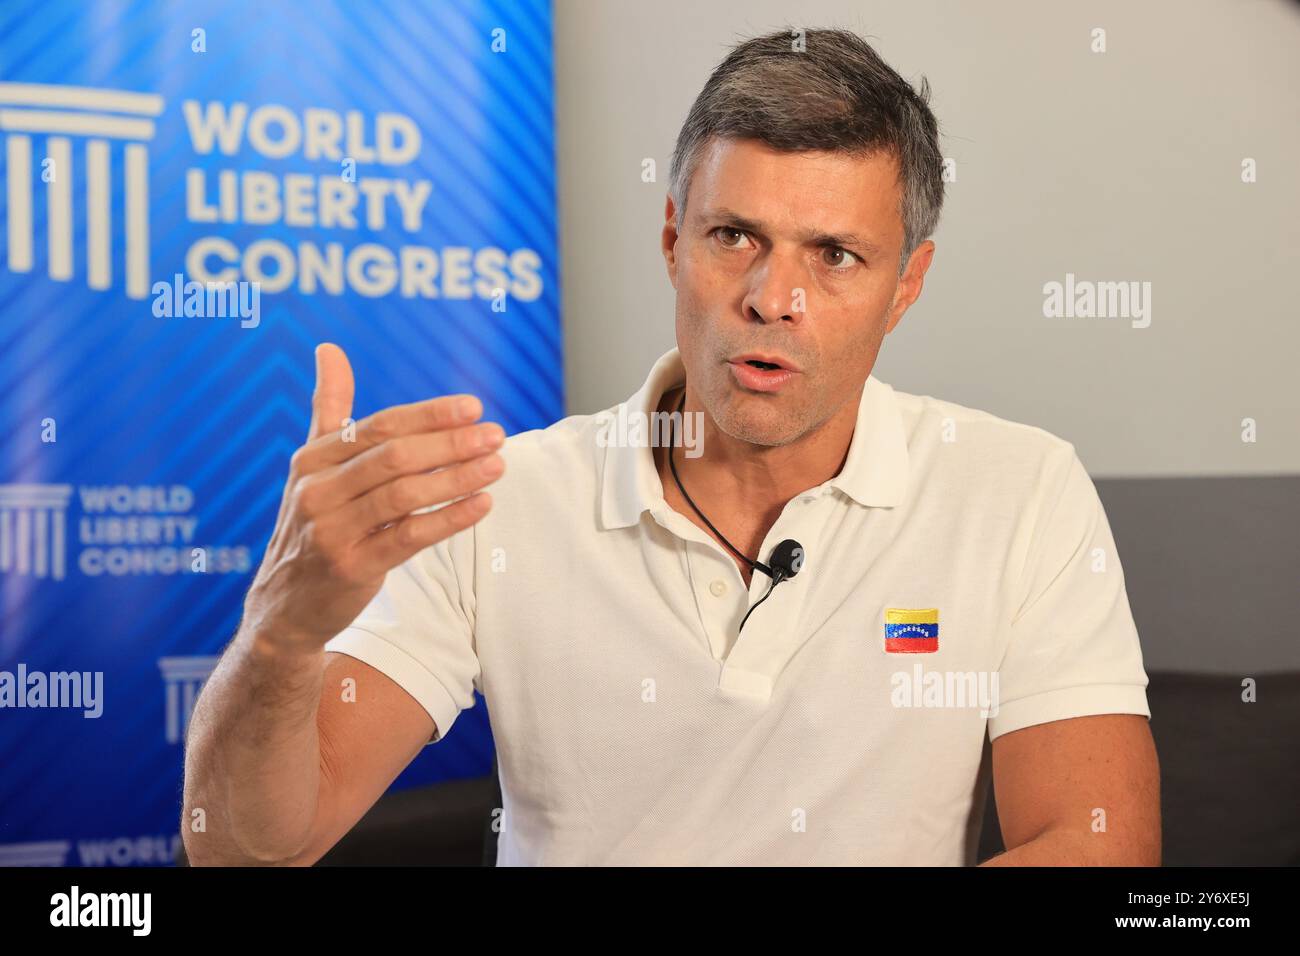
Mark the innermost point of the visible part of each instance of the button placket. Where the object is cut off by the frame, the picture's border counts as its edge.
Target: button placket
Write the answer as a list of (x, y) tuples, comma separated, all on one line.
[(771, 634), (718, 605)]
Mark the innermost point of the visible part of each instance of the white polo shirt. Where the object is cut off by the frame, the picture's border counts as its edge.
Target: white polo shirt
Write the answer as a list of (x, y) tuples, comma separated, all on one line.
[(960, 580)]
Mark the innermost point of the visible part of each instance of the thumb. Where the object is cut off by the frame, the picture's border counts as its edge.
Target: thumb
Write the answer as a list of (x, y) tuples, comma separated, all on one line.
[(331, 402)]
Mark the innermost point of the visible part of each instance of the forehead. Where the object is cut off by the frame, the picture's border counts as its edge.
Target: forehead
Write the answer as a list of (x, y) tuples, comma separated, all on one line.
[(835, 191)]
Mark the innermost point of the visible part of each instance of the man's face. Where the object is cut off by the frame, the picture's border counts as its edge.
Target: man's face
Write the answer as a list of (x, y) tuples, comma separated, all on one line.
[(792, 257)]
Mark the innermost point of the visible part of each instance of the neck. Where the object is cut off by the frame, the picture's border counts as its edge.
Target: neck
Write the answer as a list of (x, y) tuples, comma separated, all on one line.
[(734, 478)]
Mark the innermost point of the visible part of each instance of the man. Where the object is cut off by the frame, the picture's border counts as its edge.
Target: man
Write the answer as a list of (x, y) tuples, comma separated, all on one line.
[(954, 576)]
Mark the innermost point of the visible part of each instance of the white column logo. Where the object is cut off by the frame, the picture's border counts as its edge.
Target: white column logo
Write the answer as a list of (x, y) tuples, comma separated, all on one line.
[(184, 677), (32, 529), (57, 112)]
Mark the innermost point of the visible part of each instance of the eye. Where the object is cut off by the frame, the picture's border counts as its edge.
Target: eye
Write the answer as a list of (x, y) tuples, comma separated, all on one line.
[(721, 231), (847, 262)]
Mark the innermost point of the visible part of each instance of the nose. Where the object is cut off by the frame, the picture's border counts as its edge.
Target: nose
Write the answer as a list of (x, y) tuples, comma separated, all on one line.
[(776, 289)]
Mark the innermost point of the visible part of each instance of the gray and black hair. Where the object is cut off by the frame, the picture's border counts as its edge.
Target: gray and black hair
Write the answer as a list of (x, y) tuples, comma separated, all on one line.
[(836, 94)]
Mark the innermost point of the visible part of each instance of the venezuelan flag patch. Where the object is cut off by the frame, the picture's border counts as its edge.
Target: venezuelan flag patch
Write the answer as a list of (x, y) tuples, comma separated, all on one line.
[(911, 630)]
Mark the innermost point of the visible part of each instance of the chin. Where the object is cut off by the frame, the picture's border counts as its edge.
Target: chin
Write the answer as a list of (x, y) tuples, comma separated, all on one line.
[(757, 425)]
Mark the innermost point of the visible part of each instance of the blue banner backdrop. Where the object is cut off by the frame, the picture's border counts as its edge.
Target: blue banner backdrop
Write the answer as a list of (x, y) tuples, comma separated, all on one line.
[(377, 175)]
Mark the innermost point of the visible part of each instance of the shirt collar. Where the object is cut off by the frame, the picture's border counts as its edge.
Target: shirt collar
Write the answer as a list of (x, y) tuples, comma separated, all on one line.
[(874, 473)]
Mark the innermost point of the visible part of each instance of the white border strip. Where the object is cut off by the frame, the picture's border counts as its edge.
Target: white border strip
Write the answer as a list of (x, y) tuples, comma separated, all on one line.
[(80, 97), (84, 124)]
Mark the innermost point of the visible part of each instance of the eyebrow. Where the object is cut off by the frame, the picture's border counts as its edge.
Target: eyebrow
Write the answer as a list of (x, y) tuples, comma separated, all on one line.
[(847, 240)]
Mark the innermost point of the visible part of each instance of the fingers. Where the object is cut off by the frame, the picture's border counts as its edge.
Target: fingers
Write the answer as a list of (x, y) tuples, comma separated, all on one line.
[(430, 415), (331, 402), (396, 499), (407, 455), (388, 548)]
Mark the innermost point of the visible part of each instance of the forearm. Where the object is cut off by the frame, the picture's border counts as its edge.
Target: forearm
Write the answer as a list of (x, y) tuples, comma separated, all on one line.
[(252, 757)]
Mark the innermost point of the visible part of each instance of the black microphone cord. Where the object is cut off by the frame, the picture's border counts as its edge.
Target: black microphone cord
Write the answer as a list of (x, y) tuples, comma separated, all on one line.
[(770, 588), (672, 466), (777, 576)]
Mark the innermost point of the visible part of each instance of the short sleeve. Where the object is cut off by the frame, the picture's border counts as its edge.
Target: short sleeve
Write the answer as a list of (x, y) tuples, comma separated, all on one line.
[(419, 630), (1073, 648)]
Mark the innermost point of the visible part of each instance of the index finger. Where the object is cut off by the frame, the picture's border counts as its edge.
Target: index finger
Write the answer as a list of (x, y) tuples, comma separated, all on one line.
[(429, 415)]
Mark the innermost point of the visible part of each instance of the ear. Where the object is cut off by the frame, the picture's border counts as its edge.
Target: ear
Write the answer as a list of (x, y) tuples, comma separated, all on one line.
[(910, 285), (668, 241)]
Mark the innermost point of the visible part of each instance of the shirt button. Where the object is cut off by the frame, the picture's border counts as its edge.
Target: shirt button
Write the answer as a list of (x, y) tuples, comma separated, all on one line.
[(718, 588)]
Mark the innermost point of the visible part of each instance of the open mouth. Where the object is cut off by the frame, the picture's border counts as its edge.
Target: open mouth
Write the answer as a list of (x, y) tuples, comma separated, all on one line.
[(760, 375)]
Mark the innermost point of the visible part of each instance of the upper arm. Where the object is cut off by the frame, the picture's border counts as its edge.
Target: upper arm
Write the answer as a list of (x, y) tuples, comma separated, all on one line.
[(1072, 648), (1096, 776), (369, 731)]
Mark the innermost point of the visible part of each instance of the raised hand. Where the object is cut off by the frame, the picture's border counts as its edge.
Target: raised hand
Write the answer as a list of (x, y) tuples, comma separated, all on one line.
[(348, 514)]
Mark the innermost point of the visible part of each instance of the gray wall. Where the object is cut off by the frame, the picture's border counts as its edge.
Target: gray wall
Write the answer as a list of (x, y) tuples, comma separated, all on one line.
[(1115, 166)]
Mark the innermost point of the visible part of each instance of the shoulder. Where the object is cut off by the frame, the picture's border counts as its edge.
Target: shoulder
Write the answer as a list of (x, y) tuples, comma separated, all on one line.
[(561, 462), (975, 452), (925, 415), (571, 442)]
